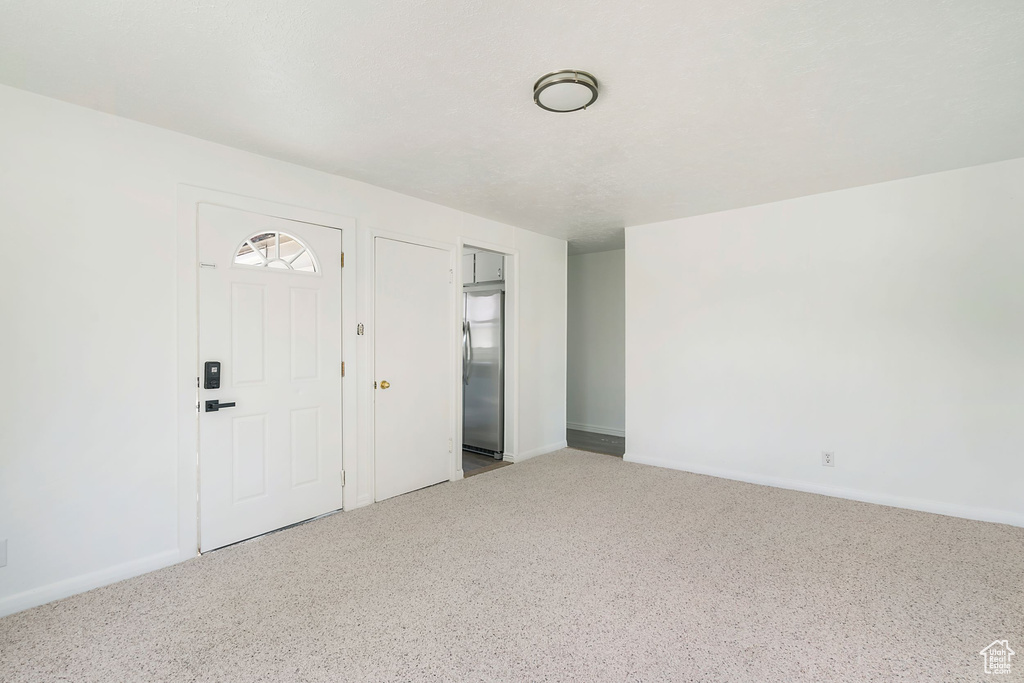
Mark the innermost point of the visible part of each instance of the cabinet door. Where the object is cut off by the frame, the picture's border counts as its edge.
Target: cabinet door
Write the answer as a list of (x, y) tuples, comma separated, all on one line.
[(467, 269), (489, 266)]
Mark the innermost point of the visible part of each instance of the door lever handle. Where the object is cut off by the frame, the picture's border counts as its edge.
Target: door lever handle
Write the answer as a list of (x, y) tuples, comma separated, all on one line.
[(215, 405)]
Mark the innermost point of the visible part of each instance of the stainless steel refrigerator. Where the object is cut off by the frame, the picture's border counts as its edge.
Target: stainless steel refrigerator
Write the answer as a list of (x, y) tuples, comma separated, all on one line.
[(483, 370)]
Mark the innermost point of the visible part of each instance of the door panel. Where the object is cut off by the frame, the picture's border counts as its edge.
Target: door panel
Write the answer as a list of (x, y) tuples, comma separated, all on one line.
[(249, 455), (304, 337), (305, 446), (413, 319), (248, 333), (274, 458)]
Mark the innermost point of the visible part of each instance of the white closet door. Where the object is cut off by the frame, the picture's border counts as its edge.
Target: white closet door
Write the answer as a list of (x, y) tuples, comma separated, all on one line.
[(413, 345)]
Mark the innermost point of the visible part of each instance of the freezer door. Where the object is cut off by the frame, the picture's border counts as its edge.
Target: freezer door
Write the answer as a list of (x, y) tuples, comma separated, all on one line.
[(483, 391)]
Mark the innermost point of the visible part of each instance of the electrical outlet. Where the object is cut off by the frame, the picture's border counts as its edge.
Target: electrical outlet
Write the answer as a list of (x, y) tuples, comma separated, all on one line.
[(3, 553), (828, 459)]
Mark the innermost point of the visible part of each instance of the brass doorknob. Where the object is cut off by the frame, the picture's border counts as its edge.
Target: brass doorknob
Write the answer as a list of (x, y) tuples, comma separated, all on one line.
[(385, 384)]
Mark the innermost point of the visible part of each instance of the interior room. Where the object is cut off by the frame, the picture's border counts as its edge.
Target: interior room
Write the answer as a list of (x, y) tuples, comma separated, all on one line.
[(461, 341)]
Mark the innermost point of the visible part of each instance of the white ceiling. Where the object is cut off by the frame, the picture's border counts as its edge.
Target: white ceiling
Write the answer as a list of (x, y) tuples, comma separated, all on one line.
[(704, 105)]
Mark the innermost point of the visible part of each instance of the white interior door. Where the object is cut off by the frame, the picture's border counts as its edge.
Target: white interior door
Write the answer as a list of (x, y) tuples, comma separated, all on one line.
[(413, 366), (270, 314)]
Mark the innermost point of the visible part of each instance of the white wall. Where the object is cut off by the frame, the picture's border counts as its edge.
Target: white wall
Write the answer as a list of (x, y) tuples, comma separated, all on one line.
[(88, 419), (542, 302), (885, 323), (596, 384)]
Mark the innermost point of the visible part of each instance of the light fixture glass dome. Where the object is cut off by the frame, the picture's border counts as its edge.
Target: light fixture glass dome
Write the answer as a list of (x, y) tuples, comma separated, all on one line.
[(565, 90)]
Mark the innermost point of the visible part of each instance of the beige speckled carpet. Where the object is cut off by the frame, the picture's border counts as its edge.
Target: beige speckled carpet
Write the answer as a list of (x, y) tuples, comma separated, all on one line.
[(569, 567)]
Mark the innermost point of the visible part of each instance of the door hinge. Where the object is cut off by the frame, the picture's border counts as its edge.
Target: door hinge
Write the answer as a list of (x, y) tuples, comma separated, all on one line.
[(342, 259), (451, 276), (197, 381), (360, 329), (342, 368), (449, 445), (343, 477)]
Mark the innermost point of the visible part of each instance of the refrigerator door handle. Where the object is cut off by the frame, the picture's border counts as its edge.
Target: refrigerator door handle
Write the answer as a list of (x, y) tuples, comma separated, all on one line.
[(467, 345)]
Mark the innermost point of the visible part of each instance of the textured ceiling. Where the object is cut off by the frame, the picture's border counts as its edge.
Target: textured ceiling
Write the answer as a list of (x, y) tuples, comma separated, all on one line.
[(704, 105)]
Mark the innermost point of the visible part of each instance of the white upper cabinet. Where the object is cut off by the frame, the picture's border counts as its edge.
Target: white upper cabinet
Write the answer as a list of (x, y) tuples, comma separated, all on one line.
[(482, 266), (489, 267)]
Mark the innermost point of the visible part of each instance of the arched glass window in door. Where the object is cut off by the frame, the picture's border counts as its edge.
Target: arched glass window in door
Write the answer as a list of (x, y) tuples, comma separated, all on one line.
[(276, 250)]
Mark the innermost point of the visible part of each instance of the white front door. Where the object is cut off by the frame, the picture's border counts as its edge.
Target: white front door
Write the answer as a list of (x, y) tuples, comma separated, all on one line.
[(270, 315), (413, 345)]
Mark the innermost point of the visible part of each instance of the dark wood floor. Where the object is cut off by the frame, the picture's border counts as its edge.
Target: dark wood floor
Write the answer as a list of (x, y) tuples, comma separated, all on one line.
[(596, 443), (474, 463)]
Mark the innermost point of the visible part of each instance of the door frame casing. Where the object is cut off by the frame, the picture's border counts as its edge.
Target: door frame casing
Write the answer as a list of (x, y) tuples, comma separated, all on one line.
[(189, 199), (367, 435)]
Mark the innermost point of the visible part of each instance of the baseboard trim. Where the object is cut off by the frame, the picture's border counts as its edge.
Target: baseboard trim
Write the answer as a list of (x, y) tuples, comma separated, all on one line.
[(41, 595), (607, 431), (919, 504), (526, 455)]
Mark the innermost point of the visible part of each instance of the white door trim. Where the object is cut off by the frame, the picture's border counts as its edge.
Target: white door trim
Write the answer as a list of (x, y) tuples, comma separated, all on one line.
[(511, 345), (367, 259), (189, 199)]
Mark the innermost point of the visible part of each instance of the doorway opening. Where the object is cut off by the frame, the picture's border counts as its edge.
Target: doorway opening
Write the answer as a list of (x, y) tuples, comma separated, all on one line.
[(596, 352), (484, 318)]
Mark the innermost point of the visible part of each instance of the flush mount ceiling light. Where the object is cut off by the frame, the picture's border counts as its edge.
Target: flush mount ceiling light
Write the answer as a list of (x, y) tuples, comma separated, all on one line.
[(565, 90)]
